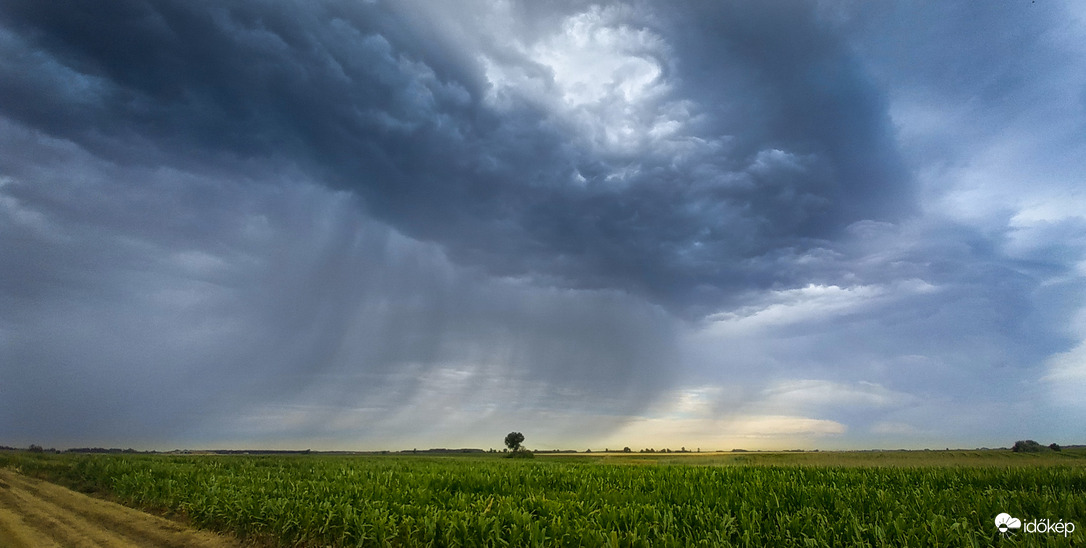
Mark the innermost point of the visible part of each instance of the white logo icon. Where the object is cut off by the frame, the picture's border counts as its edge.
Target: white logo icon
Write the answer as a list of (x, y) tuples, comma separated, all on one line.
[(1005, 522)]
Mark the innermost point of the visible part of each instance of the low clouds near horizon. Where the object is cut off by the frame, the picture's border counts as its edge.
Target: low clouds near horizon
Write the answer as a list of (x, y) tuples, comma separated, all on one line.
[(379, 224)]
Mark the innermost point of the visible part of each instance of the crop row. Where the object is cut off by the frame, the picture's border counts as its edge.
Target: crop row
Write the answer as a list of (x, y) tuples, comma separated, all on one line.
[(418, 501)]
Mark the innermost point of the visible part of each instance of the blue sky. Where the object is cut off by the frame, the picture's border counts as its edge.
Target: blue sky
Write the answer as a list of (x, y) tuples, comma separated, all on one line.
[(383, 225)]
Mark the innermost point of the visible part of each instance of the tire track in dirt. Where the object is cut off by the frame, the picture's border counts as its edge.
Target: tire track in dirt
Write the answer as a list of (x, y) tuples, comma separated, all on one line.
[(35, 513)]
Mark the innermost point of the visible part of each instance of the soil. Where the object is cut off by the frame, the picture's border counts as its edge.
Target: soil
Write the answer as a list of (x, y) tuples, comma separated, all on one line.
[(35, 513)]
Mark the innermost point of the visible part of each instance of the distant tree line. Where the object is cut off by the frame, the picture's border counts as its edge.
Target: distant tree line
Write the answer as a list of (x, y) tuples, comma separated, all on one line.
[(664, 450), (100, 450), (1030, 446), (444, 450), (513, 442)]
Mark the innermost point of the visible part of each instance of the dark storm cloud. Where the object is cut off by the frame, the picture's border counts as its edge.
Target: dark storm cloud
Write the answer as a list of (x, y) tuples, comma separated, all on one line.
[(362, 100), (144, 305), (775, 76), (340, 221)]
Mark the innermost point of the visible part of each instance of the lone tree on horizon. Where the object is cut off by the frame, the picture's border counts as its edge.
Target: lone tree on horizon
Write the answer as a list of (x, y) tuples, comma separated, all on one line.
[(513, 441)]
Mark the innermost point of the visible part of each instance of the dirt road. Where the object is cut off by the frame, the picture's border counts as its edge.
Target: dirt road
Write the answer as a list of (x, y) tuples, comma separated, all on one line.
[(34, 513)]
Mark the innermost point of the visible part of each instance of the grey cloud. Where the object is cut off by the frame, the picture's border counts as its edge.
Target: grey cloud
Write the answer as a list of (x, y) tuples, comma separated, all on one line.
[(935, 310), (801, 89), (147, 304), (362, 100), (315, 217)]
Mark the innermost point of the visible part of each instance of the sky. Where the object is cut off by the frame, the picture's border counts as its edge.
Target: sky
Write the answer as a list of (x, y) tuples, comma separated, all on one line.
[(390, 224)]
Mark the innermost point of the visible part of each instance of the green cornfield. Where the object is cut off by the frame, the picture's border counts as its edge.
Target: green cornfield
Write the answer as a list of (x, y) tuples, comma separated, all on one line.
[(394, 500)]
